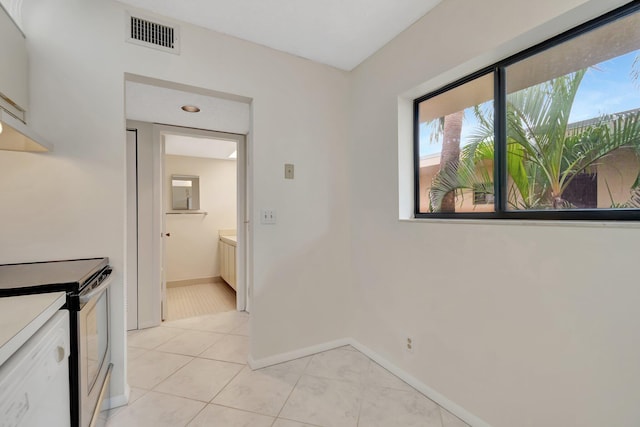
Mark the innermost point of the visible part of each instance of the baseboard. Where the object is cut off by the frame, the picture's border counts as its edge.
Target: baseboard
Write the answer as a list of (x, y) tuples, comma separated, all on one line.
[(146, 325), (196, 281), (120, 399), (432, 394), (296, 354)]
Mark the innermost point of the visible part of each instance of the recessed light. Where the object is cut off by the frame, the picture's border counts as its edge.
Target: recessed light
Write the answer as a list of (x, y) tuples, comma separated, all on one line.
[(190, 108)]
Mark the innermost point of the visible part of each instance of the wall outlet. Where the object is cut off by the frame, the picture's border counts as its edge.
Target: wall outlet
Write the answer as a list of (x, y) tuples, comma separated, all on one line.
[(267, 216), (409, 345), (288, 171)]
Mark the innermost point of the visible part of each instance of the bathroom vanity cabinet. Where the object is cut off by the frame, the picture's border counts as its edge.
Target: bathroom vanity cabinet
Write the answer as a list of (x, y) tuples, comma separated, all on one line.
[(228, 259)]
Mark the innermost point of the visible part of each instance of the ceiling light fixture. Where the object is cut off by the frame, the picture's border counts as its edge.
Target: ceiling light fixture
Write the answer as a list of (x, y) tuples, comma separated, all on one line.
[(190, 108)]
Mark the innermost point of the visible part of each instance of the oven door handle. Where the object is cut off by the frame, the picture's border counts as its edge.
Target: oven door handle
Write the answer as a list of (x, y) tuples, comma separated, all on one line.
[(85, 298)]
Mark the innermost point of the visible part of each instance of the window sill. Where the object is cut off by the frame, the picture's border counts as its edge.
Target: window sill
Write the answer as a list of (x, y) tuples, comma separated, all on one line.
[(529, 223)]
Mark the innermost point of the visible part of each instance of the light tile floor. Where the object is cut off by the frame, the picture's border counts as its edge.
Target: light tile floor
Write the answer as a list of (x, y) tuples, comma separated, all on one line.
[(193, 372)]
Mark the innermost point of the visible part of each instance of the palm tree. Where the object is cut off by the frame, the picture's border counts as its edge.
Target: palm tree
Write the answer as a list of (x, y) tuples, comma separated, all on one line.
[(451, 134), (544, 154)]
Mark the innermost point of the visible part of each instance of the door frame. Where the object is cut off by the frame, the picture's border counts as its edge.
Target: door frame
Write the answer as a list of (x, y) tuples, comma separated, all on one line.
[(131, 259), (243, 224)]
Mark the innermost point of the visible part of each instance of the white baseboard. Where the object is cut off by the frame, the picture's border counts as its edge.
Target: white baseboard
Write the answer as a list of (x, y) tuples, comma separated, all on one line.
[(148, 324), (297, 354), (432, 394), (121, 399), (195, 281)]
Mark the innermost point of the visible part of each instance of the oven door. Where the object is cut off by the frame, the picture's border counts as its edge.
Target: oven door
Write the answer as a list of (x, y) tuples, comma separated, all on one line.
[(94, 353)]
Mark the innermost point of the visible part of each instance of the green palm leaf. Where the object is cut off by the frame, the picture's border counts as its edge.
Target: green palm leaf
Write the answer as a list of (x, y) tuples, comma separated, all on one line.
[(544, 153)]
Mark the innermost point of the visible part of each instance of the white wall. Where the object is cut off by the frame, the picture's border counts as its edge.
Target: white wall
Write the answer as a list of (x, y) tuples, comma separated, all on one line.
[(71, 203), (143, 235), (192, 249), (518, 324), (521, 325)]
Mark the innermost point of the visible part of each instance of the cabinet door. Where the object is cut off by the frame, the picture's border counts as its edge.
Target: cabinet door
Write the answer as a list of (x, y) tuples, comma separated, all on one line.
[(222, 248), (14, 69), (232, 266)]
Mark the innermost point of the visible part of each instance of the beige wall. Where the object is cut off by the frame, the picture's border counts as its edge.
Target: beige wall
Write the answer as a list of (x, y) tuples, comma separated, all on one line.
[(71, 202), (143, 230), (464, 200), (616, 174), (513, 323), (192, 249)]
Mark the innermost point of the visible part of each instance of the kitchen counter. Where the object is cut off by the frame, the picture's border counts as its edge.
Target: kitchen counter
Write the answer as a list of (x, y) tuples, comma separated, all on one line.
[(22, 316), (232, 240)]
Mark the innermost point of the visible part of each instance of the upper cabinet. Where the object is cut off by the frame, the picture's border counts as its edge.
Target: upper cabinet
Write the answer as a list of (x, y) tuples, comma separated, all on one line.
[(14, 71), (15, 134)]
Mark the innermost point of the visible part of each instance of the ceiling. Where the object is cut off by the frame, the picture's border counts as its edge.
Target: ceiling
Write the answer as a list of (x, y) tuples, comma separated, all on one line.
[(157, 104), (340, 33), (181, 145)]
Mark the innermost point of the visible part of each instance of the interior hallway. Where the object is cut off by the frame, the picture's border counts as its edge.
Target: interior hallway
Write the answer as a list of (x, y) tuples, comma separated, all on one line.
[(193, 372)]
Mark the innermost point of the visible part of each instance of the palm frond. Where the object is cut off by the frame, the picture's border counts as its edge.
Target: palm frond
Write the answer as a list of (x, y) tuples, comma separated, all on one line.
[(458, 176), (634, 201), (596, 142), (544, 152)]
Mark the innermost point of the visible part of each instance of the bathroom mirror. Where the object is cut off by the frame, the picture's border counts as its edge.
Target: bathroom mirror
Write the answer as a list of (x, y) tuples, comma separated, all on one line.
[(185, 192)]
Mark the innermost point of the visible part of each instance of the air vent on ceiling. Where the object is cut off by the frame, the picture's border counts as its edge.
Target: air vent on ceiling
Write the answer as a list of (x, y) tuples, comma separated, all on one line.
[(153, 34)]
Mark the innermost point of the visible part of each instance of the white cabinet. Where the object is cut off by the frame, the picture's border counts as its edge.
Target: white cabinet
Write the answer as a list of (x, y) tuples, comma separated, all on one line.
[(14, 72), (227, 249), (34, 381), (15, 135), (222, 250), (34, 367)]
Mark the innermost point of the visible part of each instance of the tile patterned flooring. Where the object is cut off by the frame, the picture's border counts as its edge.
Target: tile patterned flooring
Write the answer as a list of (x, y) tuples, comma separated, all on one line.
[(193, 372), (197, 300)]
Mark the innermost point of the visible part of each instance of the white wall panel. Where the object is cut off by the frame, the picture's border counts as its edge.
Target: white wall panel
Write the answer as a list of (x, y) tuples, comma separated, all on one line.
[(519, 324), (71, 203)]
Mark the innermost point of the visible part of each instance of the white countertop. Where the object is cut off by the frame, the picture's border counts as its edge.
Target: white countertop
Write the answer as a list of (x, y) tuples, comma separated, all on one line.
[(232, 240), (22, 316)]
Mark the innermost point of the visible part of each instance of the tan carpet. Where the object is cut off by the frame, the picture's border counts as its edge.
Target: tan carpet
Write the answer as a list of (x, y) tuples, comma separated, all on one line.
[(196, 300)]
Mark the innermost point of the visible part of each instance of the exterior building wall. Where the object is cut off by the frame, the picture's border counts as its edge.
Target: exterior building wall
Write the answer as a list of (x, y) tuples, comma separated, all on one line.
[(616, 175)]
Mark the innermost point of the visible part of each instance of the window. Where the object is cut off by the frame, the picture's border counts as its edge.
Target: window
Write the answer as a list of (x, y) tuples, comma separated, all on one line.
[(550, 133), (483, 194), (451, 125)]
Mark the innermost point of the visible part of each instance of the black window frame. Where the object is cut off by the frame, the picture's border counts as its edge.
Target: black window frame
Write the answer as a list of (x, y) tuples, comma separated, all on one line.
[(500, 139)]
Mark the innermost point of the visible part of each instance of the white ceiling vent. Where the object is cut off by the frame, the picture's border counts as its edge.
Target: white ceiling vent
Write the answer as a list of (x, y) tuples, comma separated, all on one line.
[(146, 32)]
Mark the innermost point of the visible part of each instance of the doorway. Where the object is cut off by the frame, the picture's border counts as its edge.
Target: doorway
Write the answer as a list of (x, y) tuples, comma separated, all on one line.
[(150, 102), (180, 248), (201, 189)]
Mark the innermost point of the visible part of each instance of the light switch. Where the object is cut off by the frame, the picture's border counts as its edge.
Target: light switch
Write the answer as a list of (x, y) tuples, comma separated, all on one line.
[(267, 216), (288, 171)]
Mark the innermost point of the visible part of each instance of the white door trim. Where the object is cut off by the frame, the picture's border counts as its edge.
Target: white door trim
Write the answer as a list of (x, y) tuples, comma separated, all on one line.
[(131, 260), (243, 217), (242, 225)]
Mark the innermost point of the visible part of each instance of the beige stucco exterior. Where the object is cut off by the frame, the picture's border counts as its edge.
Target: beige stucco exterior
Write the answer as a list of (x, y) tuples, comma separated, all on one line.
[(616, 174)]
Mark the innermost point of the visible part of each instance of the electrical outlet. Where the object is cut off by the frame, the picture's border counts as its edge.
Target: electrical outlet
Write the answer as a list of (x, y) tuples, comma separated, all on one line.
[(409, 345), (267, 216), (288, 171)]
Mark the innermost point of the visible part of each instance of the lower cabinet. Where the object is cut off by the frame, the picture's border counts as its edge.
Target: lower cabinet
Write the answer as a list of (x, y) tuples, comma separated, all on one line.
[(228, 263)]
